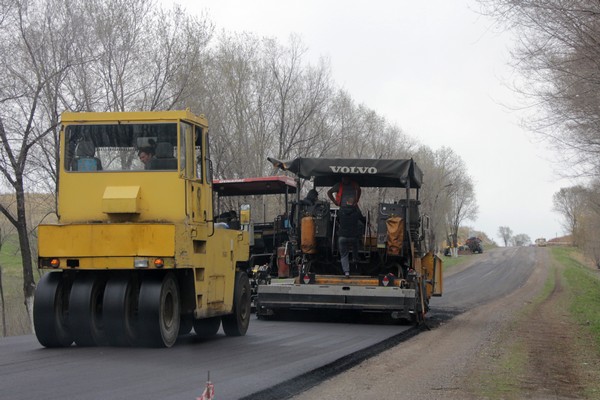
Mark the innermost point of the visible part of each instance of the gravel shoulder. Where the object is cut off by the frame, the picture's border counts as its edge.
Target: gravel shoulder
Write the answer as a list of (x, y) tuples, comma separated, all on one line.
[(465, 357)]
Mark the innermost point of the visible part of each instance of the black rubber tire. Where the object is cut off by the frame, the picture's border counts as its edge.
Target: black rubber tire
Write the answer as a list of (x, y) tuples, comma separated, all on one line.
[(207, 327), (85, 309), (119, 312), (50, 310), (186, 324), (159, 311), (236, 323)]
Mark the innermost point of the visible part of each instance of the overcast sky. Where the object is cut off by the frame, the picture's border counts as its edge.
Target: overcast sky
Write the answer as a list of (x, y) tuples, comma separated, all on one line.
[(437, 69)]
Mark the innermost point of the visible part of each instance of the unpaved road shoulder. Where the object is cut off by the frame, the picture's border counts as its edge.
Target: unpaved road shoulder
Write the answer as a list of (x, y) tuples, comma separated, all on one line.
[(437, 363)]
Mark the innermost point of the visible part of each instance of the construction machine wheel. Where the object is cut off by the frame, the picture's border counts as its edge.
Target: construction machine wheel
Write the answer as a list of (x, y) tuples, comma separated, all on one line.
[(207, 327), (421, 302), (186, 324), (85, 309), (119, 311), (236, 323), (50, 310), (159, 310)]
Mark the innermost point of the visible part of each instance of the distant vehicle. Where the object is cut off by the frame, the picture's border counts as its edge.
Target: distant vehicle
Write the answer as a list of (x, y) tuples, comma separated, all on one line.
[(474, 244), (540, 242)]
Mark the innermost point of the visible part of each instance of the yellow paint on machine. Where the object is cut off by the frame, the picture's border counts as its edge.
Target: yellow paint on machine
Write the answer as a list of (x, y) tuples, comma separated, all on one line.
[(106, 240), (85, 197), (121, 200), (216, 289), (432, 271)]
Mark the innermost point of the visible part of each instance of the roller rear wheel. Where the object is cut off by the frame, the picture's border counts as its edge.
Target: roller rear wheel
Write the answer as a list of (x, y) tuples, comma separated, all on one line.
[(207, 327), (186, 324), (50, 310), (159, 311), (119, 312), (85, 309), (236, 323)]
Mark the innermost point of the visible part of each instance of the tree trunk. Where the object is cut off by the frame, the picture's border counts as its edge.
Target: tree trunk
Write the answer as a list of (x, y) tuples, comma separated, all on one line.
[(23, 233)]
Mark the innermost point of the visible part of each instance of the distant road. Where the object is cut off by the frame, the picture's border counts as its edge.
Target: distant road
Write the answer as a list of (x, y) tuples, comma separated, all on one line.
[(497, 273), (272, 351)]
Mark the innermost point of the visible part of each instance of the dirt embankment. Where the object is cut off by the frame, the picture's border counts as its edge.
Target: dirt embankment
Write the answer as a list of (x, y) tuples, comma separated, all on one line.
[(516, 347)]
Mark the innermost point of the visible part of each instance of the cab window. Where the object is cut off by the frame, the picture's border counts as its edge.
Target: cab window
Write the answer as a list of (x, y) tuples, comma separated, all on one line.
[(120, 147)]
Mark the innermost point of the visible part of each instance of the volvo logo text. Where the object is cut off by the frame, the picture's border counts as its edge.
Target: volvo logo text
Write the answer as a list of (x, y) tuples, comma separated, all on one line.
[(353, 170)]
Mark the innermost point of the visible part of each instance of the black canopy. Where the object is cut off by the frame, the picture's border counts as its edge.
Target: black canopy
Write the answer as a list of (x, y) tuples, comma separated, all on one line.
[(254, 186), (366, 172)]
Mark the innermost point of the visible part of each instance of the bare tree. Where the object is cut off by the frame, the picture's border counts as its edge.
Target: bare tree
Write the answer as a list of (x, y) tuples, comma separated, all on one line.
[(172, 56), (521, 239), (141, 57), (301, 91), (505, 233), (116, 40), (442, 168), (342, 126), (264, 99), (580, 208), (589, 238), (571, 204), (35, 48), (239, 101), (558, 54), (463, 206)]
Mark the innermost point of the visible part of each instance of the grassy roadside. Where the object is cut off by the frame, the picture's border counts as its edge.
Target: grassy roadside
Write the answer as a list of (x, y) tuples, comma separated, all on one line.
[(451, 262), (15, 316), (585, 293), (561, 326)]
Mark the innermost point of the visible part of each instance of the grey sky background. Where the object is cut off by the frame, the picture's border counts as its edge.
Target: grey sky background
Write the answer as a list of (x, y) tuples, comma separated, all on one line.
[(437, 69)]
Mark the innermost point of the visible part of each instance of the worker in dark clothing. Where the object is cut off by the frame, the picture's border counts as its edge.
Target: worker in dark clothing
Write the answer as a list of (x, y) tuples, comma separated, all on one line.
[(311, 198), (349, 216), (344, 190)]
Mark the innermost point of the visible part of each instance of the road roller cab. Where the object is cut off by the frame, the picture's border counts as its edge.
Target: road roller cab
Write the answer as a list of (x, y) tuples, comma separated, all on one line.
[(136, 257)]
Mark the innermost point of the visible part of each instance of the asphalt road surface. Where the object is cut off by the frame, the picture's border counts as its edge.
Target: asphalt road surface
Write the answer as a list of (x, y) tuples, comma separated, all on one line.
[(498, 273), (272, 352)]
